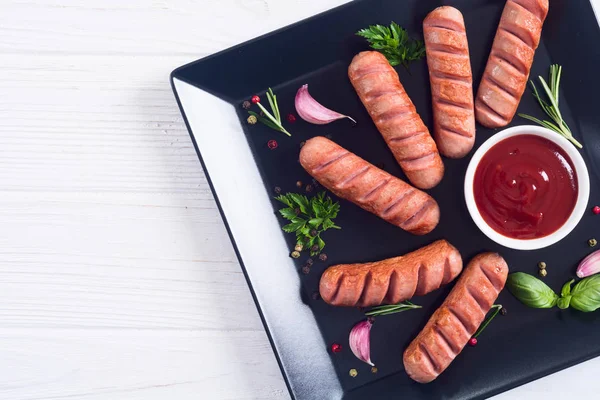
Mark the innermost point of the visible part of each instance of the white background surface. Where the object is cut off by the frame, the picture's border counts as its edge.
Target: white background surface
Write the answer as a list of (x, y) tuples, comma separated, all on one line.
[(117, 277)]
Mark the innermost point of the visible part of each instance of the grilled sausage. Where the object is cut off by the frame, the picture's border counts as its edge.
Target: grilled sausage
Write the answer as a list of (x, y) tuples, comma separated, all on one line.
[(354, 179), (393, 280), (507, 71), (452, 325), (394, 114), (451, 81)]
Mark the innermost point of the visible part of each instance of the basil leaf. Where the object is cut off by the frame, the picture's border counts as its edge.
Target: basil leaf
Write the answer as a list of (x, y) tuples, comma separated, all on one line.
[(586, 294), (531, 291), (566, 289), (563, 302)]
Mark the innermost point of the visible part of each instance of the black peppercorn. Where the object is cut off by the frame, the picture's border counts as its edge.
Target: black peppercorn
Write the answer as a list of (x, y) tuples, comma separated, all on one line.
[(309, 261), (309, 188), (315, 248), (323, 257), (316, 296), (299, 184), (277, 190), (503, 311), (306, 270), (313, 232), (246, 105)]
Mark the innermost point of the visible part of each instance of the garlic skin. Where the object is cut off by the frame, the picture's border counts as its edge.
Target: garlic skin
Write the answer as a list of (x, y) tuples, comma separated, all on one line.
[(360, 341), (312, 111), (590, 265)]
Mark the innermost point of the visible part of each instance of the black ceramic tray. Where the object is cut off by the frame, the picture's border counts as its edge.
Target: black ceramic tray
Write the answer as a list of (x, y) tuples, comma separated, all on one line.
[(517, 348)]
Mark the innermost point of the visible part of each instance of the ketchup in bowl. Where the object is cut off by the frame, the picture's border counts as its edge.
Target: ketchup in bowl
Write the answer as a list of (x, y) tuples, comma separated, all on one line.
[(525, 187)]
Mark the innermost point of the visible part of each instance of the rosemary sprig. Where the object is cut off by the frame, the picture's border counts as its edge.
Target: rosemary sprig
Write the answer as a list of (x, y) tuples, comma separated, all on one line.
[(552, 109), (273, 121), (495, 310), (391, 309)]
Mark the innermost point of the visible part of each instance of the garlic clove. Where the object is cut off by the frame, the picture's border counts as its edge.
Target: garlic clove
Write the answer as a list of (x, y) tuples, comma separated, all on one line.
[(312, 111), (360, 341), (590, 265)]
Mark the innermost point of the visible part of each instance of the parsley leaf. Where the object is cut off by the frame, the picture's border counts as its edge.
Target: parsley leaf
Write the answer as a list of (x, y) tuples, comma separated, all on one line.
[(309, 218), (394, 43)]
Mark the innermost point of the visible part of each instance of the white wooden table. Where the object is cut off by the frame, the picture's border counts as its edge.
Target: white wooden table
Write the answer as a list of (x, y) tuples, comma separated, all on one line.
[(117, 277)]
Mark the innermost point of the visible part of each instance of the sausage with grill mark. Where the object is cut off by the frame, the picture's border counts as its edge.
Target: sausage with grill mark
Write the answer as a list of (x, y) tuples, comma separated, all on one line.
[(393, 280), (352, 178), (458, 318), (396, 118), (507, 71), (451, 81)]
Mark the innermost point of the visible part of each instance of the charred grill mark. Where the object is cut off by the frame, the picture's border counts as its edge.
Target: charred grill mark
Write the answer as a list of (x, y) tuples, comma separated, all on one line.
[(484, 105), (349, 179), (441, 75), (394, 114), (387, 211), (421, 279), (418, 214), (375, 190), (478, 299), (516, 34), (538, 13), (360, 73), (328, 163), (465, 324), (462, 106), (453, 348), (408, 159), (400, 139), (505, 57), (363, 294), (436, 367), (499, 86), (456, 132), (489, 278)]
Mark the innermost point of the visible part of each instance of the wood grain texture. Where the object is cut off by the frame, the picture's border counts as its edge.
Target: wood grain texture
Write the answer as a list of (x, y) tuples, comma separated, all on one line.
[(117, 277)]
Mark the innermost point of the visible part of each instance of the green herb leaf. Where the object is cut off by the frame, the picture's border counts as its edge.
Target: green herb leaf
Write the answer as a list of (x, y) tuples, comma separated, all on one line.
[(494, 311), (327, 224), (563, 302), (391, 309), (315, 222), (394, 43), (531, 291), (585, 295), (271, 119), (284, 199), (288, 213), (299, 201), (294, 226), (315, 214), (566, 289), (550, 107)]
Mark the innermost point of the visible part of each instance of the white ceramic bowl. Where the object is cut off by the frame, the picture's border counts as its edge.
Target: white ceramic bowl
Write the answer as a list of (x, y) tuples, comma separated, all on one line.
[(583, 181)]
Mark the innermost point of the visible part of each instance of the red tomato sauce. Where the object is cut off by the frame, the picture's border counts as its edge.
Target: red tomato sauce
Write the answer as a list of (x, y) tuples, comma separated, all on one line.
[(525, 187)]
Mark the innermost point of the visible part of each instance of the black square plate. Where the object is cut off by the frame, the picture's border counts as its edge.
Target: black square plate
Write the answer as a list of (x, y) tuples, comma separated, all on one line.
[(520, 347)]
